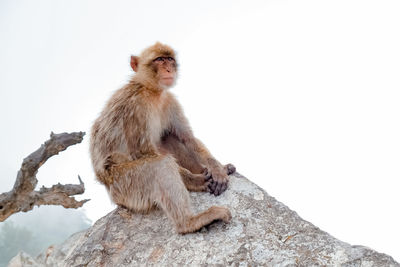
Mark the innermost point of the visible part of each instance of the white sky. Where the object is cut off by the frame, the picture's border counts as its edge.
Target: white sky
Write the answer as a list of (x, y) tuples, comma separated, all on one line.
[(302, 96)]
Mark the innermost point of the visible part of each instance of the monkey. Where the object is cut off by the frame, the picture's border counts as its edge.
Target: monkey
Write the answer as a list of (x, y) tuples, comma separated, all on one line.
[(143, 149)]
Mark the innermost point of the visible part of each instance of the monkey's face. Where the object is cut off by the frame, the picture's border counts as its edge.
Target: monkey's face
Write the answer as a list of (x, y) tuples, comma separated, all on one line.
[(165, 69), (156, 64)]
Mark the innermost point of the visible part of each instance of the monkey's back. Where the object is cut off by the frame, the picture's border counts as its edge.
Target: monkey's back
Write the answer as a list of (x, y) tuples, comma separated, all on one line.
[(107, 133)]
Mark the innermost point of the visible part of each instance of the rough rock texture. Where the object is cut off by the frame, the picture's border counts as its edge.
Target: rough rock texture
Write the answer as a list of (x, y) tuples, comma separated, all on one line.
[(263, 232), (22, 259)]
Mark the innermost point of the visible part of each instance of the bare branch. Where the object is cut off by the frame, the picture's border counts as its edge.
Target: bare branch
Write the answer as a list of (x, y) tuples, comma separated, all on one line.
[(23, 197)]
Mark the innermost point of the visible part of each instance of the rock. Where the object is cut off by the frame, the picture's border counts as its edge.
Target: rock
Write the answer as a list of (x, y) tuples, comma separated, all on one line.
[(22, 259), (263, 232)]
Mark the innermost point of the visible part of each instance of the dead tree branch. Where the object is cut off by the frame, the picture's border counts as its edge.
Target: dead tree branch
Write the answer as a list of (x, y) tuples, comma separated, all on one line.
[(23, 196)]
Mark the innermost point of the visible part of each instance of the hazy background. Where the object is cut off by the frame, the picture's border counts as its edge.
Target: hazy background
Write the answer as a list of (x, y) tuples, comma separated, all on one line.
[(35, 231), (302, 96)]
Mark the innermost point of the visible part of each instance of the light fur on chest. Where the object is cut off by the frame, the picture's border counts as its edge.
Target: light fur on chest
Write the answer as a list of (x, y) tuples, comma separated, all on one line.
[(157, 121)]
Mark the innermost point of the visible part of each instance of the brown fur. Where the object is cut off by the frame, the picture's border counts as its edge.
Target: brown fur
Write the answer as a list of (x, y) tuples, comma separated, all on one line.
[(144, 152)]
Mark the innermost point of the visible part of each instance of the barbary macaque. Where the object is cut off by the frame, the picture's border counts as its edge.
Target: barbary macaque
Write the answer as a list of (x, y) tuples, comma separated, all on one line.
[(144, 152)]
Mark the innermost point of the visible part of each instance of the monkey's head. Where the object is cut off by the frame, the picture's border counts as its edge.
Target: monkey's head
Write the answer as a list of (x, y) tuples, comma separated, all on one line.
[(156, 64)]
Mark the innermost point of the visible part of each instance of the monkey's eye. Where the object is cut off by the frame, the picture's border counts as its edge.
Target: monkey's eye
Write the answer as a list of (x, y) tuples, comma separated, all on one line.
[(170, 59), (159, 59)]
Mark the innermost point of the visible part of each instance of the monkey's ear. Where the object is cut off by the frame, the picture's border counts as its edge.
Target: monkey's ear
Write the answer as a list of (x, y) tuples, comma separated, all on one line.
[(135, 63)]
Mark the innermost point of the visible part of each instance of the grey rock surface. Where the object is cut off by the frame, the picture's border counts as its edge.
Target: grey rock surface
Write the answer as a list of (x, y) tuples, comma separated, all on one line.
[(22, 259), (263, 232)]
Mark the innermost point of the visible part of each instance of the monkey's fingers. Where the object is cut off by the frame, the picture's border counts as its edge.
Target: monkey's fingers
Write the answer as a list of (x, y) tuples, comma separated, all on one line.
[(221, 187), (206, 172), (224, 187), (212, 186), (217, 188), (209, 186)]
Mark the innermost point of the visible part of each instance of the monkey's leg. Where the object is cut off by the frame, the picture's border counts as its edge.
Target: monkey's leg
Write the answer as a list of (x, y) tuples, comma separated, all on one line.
[(196, 182), (133, 183), (200, 220), (140, 184), (172, 196), (185, 158)]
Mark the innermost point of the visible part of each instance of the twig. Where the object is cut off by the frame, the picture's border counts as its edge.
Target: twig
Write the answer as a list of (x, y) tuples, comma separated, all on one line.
[(23, 197)]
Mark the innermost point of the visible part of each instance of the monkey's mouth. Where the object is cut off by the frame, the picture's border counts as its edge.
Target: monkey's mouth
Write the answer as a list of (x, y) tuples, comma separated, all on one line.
[(167, 80)]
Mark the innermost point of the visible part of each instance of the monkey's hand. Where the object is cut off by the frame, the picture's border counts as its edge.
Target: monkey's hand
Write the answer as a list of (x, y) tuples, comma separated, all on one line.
[(219, 181)]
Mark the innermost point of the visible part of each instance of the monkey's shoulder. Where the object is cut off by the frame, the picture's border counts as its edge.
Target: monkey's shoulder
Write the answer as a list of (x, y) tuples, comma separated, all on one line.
[(124, 97)]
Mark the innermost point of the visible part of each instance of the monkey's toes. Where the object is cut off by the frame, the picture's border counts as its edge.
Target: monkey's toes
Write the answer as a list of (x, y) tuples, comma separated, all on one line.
[(226, 215), (221, 213), (230, 168)]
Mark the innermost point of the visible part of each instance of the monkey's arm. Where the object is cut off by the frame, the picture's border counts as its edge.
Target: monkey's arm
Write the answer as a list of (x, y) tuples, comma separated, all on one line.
[(181, 129), (137, 135)]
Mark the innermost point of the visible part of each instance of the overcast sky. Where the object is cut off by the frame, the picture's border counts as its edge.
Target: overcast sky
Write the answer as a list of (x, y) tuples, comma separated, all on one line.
[(302, 96)]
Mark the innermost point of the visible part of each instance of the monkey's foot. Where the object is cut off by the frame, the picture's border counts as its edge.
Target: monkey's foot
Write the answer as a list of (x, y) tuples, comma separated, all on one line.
[(205, 218), (224, 213), (230, 168)]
